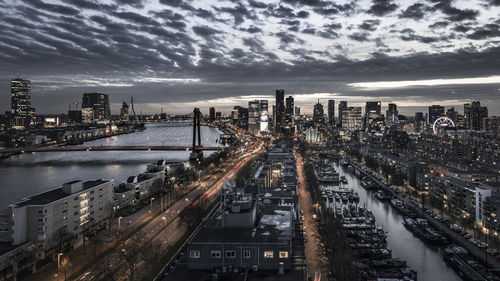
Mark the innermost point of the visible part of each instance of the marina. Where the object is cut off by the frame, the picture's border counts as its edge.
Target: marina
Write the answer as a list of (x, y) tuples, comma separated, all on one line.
[(425, 258)]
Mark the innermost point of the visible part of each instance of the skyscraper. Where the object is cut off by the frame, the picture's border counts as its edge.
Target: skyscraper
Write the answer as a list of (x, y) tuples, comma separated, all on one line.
[(331, 112), (318, 115), (264, 115), (391, 115), (372, 107), (297, 111), (342, 106), (419, 122), (254, 116), (352, 118), (99, 103), (289, 111), (433, 113), (212, 114), (280, 110), (372, 111), (452, 114), (20, 103), (475, 116), (124, 112)]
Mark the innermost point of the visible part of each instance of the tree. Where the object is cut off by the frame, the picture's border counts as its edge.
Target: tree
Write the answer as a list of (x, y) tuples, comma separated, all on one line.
[(155, 251), (157, 186), (131, 252), (60, 237), (95, 242), (104, 267)]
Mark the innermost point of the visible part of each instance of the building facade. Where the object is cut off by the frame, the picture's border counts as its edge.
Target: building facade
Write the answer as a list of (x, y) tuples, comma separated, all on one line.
[(20, 103)]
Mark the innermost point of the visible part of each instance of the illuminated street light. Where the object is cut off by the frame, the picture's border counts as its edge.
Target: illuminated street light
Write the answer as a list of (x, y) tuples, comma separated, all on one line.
[(59, 260), (119, 219)]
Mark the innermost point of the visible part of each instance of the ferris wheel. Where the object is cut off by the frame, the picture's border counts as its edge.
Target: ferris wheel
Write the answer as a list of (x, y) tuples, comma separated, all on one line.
[(442, 123)]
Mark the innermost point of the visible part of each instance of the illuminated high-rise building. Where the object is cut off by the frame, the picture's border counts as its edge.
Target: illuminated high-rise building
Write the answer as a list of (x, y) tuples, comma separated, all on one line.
[(433, 113), (99, 103), (20, 98), (318, 116), (264, 115), (352, 118), (280, 110), (254, 115)]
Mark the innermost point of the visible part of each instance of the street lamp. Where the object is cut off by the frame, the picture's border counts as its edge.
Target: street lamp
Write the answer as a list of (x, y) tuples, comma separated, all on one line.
[(59, 260), (119, 219), (152, 199)]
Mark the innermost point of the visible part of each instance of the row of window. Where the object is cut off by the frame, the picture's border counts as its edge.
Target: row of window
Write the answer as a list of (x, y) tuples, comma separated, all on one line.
[(231, 254)]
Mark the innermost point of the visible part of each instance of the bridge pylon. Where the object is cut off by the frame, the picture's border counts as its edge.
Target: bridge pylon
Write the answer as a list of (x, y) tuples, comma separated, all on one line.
[(196, 150)]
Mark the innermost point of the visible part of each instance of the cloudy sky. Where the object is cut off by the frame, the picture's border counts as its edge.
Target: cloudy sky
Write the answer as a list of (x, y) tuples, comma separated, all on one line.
[(177, 54)]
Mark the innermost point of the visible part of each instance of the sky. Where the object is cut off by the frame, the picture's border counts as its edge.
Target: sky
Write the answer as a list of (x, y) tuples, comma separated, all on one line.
[(173, 55)]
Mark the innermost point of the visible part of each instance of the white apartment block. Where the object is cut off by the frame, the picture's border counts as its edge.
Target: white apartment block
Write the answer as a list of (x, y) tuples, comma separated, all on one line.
[(72, 208)]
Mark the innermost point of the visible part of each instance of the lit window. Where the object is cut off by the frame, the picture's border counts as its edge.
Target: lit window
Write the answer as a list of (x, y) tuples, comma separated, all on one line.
[(246, 254), (215, 254), (283, 254), (268, 254), (194, 254), (230, 254)]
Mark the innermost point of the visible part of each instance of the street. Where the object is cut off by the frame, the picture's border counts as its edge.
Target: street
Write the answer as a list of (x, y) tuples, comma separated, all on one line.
[(314, 256)]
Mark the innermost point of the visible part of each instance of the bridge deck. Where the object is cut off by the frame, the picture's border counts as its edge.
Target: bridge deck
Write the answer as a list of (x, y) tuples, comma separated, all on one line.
[(102, 148)]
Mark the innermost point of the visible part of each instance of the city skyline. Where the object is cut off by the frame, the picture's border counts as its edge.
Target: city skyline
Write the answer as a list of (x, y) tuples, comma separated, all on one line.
[(180, 54)]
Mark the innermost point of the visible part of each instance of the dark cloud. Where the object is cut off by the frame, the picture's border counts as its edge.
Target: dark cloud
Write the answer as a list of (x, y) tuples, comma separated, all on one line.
[(360, 36), (461, 28), (382, 7), (369, 25), (251, 29), (255, 44), (409, 34), (416, 11), (173, 3), (439, 24), (86, 4), (287, 38), (239, 13), (453, 13), (309, 31), (494, 2), (134, 3), (486, 32), (205, 31), (257, 4), (60, 9), (303, 14)]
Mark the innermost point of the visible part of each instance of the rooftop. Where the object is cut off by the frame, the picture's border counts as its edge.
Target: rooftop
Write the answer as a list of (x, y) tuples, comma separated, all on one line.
[(274, 227), (55, 194)]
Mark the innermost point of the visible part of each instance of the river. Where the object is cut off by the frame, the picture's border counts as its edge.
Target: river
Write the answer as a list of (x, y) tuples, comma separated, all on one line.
[(426, 260), (31, 173)]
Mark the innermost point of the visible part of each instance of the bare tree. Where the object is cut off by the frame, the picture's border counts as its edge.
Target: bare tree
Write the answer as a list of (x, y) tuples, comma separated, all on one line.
[(131, 252), (107, 271), (95, 242), (60, 237), (155, 251)]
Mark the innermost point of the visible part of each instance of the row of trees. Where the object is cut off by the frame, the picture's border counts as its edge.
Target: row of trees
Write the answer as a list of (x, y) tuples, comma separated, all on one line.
[(337, 250)]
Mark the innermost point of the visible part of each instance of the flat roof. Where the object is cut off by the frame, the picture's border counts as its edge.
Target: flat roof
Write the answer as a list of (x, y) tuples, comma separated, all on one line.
[(56, 194), (275, 226)]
